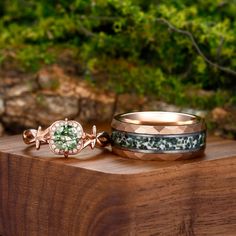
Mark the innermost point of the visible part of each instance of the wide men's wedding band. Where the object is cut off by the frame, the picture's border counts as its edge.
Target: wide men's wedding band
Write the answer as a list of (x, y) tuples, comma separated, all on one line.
[(154, 135)]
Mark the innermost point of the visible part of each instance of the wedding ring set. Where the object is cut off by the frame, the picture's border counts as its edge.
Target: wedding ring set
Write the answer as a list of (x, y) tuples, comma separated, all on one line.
[(149, 135)]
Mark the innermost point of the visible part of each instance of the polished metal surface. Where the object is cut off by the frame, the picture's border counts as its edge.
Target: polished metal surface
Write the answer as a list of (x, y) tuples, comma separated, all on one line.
[(158, 118), (155, 122)]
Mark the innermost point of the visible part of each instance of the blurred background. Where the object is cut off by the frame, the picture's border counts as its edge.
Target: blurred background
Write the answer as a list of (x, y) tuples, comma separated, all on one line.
[(90, 59)]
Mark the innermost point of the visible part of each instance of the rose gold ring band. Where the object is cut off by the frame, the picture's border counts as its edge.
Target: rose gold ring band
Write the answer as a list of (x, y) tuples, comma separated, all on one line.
[(154, 135)]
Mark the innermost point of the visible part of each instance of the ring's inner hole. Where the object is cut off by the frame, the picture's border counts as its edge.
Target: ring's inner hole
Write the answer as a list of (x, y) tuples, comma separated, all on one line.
[(158, 118)]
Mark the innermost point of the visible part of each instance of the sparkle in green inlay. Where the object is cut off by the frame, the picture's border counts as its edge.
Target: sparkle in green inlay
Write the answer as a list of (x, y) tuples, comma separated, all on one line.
[(159, 142), (65, 137)]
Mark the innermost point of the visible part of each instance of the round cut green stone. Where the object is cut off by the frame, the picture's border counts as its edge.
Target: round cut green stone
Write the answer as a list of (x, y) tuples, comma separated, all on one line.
[(66, 137)]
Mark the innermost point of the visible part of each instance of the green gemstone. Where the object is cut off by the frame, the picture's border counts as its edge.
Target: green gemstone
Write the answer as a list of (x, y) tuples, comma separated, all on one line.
[(65, 138)]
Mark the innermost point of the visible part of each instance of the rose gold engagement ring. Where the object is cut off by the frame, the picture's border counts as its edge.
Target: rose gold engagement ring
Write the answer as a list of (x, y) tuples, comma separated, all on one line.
[(66, 137)]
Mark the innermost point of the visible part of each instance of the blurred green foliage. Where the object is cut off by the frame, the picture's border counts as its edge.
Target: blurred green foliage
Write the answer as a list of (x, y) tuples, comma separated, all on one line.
[(125, 48)]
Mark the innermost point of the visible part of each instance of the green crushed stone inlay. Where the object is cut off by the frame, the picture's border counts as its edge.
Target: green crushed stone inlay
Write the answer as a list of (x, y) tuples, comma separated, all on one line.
[(158, 142)]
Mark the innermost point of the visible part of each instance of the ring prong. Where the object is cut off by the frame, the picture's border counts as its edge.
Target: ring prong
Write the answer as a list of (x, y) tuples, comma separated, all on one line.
[(66, 154), (37, 144)]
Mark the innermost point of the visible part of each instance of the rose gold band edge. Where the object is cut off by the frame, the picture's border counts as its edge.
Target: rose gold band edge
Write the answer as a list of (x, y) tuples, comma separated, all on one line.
[(159, 156)]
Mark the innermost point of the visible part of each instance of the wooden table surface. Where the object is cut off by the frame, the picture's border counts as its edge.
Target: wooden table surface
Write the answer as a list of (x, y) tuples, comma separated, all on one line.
[(99, 193), (103, 160)]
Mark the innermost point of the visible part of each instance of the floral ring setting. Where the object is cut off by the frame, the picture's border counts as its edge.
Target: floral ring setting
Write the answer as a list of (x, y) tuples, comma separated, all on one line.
[(66, 137)]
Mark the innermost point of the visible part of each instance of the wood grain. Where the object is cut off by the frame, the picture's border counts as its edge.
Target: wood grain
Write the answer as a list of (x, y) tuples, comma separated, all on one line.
[(99, 193)]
